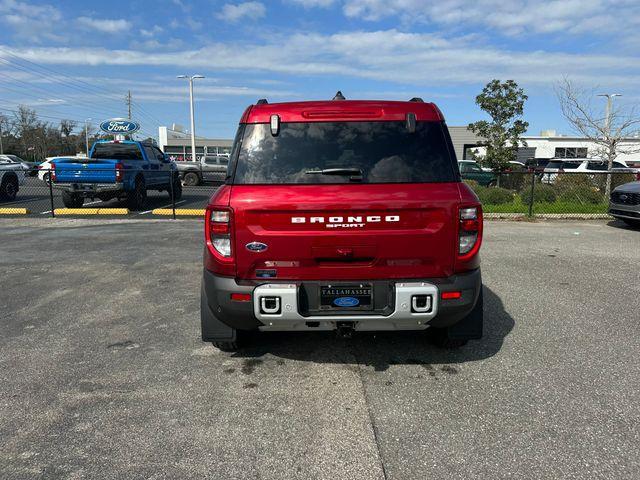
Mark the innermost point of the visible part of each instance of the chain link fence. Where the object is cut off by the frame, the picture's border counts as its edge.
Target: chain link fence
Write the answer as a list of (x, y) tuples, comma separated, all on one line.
[(32, 193), (549, 194)]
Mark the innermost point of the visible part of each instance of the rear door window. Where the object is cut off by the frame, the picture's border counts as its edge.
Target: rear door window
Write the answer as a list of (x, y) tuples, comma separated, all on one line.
[(385, 152)]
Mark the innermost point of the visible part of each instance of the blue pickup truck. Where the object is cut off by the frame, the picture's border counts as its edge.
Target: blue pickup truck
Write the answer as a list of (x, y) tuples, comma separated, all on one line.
[(125, 170)]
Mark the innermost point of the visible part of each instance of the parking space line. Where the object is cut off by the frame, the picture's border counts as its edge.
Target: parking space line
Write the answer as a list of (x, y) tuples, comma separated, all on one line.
[(164, 206)]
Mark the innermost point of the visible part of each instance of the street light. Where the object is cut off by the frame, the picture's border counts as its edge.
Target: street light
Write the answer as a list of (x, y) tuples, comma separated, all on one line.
[(193, 124), (608, 111), (86, 134)]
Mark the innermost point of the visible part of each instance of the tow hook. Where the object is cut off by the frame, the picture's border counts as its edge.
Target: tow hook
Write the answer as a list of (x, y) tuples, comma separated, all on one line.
[(345, 329)]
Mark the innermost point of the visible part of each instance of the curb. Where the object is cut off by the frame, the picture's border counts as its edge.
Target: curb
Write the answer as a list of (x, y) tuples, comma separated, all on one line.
[(185, 212), (549, 216), (14, 211), (91, 211)]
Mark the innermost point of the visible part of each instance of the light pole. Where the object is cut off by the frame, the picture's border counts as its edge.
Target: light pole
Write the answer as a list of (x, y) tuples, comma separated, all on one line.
[(86, 134), (193, 123), (609, 110)]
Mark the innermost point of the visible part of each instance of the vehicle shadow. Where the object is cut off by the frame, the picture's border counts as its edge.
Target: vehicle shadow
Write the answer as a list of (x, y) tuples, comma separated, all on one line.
[(621, 225), (383, 349)]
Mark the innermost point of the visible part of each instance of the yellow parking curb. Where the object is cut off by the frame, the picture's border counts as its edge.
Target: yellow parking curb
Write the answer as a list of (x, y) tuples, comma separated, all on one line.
[(91, 211), (14, 211), (193, 212)]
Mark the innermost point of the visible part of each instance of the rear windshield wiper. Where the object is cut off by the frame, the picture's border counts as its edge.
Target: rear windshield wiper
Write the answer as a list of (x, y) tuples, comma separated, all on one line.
[(346, 172)]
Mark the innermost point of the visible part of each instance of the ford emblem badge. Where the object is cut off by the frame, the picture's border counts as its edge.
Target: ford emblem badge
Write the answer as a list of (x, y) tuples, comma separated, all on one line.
[(346, 302), (256, 247), (119, 125)]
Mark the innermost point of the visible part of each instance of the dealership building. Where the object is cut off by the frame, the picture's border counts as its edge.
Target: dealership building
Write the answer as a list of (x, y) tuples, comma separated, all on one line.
[(177, 144)]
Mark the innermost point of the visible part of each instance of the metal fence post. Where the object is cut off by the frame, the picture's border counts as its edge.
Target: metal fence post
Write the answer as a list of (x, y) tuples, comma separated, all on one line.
[(533, 186), (53, 213), (173, 197)]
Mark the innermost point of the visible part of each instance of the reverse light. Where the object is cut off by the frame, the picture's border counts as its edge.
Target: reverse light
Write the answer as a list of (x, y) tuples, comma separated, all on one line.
[(220, 231), (468, 230)]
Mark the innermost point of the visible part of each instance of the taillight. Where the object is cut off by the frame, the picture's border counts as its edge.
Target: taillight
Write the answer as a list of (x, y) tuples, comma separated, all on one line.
[(469, 231), (119, 172), (52, 173), (218, 231)]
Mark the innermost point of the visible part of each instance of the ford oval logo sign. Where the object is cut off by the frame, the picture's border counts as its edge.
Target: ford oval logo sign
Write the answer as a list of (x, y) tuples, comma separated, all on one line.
[(256, 247), (346, 302), (121, 126)]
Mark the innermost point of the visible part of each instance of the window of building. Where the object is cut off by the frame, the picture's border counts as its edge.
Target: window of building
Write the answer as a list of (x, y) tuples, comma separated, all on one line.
[(571, 152)]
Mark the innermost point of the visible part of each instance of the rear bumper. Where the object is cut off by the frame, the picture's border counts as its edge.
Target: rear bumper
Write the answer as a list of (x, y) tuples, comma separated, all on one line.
[(219, 313), (619, 210), (80, 187)]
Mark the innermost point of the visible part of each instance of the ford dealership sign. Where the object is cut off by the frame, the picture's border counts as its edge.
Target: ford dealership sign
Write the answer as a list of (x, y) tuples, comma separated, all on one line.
[(120, 126)]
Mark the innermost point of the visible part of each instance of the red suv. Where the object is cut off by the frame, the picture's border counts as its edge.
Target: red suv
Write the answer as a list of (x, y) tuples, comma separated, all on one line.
[(342, 215)]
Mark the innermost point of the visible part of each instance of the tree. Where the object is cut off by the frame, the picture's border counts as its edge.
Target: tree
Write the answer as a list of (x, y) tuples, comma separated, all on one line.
[(67, 126), (504, 102), (606, 131)]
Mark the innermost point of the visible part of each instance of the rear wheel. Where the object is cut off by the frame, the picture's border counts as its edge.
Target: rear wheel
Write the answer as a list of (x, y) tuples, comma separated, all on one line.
[(138, 196), (72, 200), (47, 178), (9, 188), (240, 341), (457, 335), (191, 179)]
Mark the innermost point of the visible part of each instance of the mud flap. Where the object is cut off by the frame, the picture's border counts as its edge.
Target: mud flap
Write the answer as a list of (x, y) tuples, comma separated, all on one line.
[(213, 330), (471, 326)]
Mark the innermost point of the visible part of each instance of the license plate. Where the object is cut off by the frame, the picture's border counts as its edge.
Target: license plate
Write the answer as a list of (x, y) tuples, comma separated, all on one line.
[(346, 297)]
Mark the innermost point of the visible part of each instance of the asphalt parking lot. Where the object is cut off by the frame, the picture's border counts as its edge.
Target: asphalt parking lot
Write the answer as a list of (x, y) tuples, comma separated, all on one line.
[(36, 197), (103, 374)]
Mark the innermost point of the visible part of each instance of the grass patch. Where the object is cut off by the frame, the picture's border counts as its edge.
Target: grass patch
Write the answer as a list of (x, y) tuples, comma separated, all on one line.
[(556, 207)]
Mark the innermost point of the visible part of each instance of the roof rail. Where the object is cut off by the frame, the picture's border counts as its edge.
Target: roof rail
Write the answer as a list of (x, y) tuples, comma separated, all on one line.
[(262, 101), (417, 99), (338, 96)]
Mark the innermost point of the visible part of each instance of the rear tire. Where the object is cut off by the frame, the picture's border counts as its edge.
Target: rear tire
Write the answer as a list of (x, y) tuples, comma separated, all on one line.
[(241, 337), (72, 200), (47, 178), (631, 222), (9, 188), (191, 179), (138, 196)]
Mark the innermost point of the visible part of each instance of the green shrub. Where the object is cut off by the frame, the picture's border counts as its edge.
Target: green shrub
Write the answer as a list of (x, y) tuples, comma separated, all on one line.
[(512, 180), (472, 183), (582, 194), (495, 195), (565, 181), (617, 179), (541, 194)]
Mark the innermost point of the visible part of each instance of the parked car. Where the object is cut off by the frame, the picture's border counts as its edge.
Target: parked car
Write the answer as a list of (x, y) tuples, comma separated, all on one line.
[(11, 178), (30, 168), (625, 203), (125, 170), (473, 171), (475, 162), (556, 166), (210, 168), (44, 170), (356, 222)]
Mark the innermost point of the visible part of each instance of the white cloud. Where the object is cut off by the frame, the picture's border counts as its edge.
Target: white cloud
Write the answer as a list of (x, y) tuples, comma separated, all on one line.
[(507, 17), (235, 12), (151, 32), (314, 3), (104, 25), (416, 59), (32, 22)]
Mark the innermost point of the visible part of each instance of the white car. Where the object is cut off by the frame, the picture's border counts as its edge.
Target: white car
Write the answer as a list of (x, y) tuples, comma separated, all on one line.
[(11, 178), (44, 169), (474, 162), (584, 165)]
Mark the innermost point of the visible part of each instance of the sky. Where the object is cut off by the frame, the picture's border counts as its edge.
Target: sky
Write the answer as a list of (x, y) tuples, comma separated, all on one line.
[(77, 59)]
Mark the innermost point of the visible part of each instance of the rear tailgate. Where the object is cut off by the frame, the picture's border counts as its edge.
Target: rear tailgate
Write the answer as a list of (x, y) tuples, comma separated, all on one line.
[(344, 232), (88, 170)]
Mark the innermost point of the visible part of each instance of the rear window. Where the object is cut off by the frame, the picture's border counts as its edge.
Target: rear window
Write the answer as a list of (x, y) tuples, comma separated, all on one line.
[(385, 152), (116, 151)]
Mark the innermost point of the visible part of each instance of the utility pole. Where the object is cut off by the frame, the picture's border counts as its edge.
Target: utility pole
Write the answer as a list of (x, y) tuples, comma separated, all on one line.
[(129, 104), (1, 147), (86, 134), (193, 123)]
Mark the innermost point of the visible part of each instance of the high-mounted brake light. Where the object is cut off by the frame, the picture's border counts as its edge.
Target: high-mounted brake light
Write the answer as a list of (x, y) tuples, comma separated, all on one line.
[(470, 224), (119, 172)]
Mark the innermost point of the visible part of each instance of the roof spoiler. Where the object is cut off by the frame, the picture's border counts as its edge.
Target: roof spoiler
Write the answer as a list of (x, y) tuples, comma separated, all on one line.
[(417, 99)]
